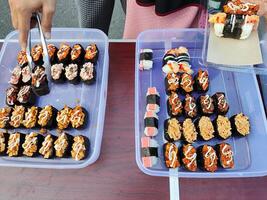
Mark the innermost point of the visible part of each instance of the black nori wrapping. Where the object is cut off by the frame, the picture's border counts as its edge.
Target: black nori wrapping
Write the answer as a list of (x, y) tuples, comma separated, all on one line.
[(219, 154), (200, 133), (91, 53), (153, 99), (37, 54), (174, 105), (233, 26), (168, 57), (205, 105), (186, 83), (201, 159), (26, 75), (63, 54), (151, 122), (77, 54), (39, 81), (58, 73), (234, 128), (11, 95), (146, 56), (202, 81), (52, 52), (51, 122), (190, 106), (86, 144), (216, 128), (182, 57), (5, 114), (16, 76), (149, 151), (168, 163), (172, 83), (184, 158), (67, 151), (26, 96), (4, 136), (220, 102), (72, 72)]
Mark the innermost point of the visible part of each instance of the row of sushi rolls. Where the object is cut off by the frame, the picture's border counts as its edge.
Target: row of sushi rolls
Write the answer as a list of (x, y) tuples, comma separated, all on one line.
[(198, 117), (72, 64)]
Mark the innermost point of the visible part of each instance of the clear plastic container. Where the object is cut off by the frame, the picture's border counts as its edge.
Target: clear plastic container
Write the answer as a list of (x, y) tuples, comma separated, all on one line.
[(242, 92), (91, 97)]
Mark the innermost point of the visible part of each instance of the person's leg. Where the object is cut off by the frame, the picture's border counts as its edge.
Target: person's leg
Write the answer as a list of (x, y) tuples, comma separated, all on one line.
[(95, 13)]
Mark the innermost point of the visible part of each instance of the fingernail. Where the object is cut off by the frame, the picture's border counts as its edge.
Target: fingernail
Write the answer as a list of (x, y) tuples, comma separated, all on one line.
[(47, 35)]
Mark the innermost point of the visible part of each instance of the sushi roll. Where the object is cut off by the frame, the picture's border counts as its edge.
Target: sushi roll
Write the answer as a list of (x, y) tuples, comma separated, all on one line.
[(226, 155), (32, 144), (26, 96), (174, 105), (202, 80), (5, 114), (240, 124), (39, 81), (72, 73), (171, 155), (16, 119), (207, 158), (31, 116), (183, 56), (63, 54), (205, 128), (190, 106), (52, 53), (11, 95), (151, 124), (47, 117), (189, 157), (26, 75), (22, 58), (15, 78), (63, 118), (169, 56), (241, 8), (91, 53), (172, 83), (206, 105), (80, 147), (221, 103), (172, 130), (15, 141), (146, 59), (152, 100), (189, 131), (77, 54), (222, 127), (88, 73), (57, 73), (149, 151), (187, 83), (47, 147), (78, 117), (3, 142), (37, 54), (63, 145)]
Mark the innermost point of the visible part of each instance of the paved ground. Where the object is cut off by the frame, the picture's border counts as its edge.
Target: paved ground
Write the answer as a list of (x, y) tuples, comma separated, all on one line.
[(66, 16)]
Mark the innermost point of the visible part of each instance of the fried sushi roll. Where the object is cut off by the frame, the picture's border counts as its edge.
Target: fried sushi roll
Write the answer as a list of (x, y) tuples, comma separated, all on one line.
[(15, 141), (172, 83), (63, 145), (3, 142), (221, 103), (5, 115), (63, 118), (39, 81), (57, 73), (146, 59), (174, 105), (189, 131), (206, 105), (205, 128), (78, 117), (32, 144), (26, 75), (190, 106), (187, 83), (207, 158), (240, 124), (52, 53), (226, 155), (151, 124), (47, 148), (22, 58), (189, 157), (37, 54), (222, 127), (72, 73), (152, 100), (80, 147), (26, 96), (16, 119), (91, 53), (171, 155), (47, 117), (15, 78), (77, 54), (149, 151), (202, 81), (11, 95), (172, 130), (63, 54), (30, 119)]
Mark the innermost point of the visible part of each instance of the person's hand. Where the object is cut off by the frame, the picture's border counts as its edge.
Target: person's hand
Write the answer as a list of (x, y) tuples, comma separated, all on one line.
[(21, 13)]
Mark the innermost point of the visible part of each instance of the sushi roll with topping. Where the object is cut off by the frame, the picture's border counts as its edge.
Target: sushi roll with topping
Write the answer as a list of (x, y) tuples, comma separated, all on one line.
[(72, 73), (174, 105), (221, 103), (187, 83), (202, 80), (171, 158), (241, 8), (190, 106), (222, 127), (78, 117), (15, 141), (170, 56), (172, 83), (152, 100), (47, 148), (77, 54), (80, 147), (146, 59), (26, 75), (22, 58), (88, 73), (11, 95), (207, 158), (52, 53), (183, 56), (26, 96), (63, 54), (149, 151), (5, 114), (17, 116), (57, 73), (172, 130), (205, 128), (91, 53), (62, 145), (189, 157), (63, 118), (40, 82), (37, 54), (174, 67), (3, 142), (15, 78), (151, 124), (240, 124), (226, 155), (206, 105), (32, 143), (47, 117), (30, 119), (189, 131)]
